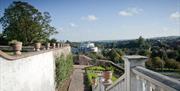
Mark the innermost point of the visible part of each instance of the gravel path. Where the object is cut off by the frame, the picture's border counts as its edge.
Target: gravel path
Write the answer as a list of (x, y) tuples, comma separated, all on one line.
[(77, 82)]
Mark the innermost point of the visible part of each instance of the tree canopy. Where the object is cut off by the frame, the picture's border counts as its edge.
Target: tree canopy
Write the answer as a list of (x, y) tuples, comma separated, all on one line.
[(23, 22), (158, 62), (113, 55)]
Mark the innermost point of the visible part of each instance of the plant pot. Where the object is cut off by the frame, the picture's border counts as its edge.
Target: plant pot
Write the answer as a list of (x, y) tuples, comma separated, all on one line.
[(17, 47), (47, 46), (37, 46), (107, 75)]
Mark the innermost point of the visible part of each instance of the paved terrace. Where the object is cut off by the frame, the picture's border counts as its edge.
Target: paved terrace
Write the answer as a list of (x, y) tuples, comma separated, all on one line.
[(78, 78)]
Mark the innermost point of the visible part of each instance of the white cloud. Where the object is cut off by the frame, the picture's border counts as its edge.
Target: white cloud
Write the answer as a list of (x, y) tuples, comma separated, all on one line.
[(130, 12), (175, 16), (72, 25), (90, 18), (165, 29), (61, 29)]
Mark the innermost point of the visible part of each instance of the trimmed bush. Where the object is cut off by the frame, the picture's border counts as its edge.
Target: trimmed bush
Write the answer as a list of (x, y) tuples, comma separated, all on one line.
[(95, 68)]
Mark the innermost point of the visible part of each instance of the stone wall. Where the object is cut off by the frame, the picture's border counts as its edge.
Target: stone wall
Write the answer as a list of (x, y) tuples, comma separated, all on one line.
[(33, 71), (84, 60)]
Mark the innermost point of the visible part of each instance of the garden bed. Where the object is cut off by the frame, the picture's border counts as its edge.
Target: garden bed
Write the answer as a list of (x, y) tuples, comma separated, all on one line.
[(95, 71)]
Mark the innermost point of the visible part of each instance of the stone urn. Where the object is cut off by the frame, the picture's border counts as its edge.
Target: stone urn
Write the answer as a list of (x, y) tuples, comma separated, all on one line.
[(94, 81), (47, 46), (107, 75), (17, 47), (53, 45), (37, 46)]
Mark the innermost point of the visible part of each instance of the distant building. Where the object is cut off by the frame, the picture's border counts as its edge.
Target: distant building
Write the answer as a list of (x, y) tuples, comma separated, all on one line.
[(88, 47), (75, 50)]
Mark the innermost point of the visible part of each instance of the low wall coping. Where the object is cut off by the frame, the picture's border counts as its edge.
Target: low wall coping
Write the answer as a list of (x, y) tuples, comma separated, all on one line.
[(108, 61), (28, 54), (86, 57), (134, 57)]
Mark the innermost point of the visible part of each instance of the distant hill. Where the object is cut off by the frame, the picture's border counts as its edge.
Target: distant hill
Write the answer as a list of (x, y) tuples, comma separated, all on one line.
[(154, 38), (166, 38)]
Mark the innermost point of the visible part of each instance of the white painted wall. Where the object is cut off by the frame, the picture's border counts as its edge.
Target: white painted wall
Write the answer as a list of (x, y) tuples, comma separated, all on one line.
[(33, 73)]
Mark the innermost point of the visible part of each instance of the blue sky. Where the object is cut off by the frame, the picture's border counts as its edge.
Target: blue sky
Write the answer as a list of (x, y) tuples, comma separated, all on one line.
[(84, 20)]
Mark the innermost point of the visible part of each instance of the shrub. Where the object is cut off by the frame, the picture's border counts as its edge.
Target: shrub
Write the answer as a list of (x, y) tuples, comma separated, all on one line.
[(90, 76), (95, 68), (149, 64), (158, 62), (64, 67), (171, 63)]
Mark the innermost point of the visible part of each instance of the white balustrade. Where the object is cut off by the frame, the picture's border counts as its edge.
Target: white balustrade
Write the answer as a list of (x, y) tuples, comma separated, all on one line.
[(119, 85), (99, 86), (138, 78), (153, 81)]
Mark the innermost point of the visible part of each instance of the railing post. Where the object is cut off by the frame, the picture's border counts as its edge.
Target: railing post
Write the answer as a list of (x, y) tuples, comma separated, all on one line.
[(131, 79), (148, 85)]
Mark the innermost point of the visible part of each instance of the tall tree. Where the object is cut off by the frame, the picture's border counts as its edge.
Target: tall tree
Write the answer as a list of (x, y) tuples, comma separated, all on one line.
[(141, 41), (3, 41), (23, 22), (114, 56)]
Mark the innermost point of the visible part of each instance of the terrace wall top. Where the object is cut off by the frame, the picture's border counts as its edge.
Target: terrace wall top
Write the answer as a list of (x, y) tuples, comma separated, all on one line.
[(134, 57), (28, 54)]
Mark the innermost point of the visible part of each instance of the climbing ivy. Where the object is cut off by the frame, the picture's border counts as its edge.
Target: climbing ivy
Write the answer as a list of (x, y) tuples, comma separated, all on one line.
[(64, 67)]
